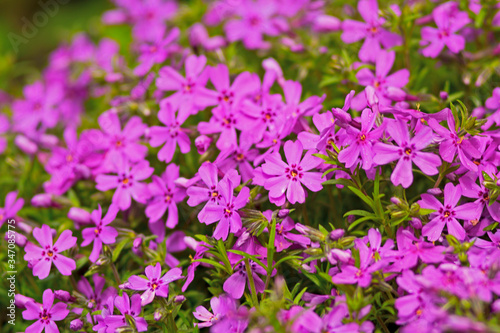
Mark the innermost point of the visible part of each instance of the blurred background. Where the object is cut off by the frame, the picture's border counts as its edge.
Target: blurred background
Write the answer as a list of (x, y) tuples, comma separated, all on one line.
[(31, 29)]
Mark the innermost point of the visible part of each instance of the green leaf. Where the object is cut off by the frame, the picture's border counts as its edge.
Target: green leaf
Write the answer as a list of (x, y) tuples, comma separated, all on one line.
[(362, 196), (211, 262), (358, 221), (359, 212), (249, 256), (340, 181), (118, 249), (297, 298), (282, 260)]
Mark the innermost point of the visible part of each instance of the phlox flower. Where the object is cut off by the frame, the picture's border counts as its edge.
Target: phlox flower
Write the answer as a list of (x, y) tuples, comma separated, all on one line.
[(220, 307), (154, 284), (165, 195), (43, 257), (11, 207), (129, 307), (45, 314), (447, 213), (127, 181), (226, 211), (371, 31), (169, 135), (290, 176), (408, 150), (102, 233)]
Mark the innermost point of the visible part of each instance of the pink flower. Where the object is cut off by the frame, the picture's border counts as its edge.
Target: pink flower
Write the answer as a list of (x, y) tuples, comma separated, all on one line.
[(45, 315), (165, 195), (371, 31), (127, 182), (154, 284), (43, 257), (171, 135), (288, 177), (101, 233), (448, 20)]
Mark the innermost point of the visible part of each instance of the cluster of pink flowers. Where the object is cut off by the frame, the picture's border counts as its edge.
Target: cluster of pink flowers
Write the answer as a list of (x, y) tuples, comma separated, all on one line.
[(203, 171)]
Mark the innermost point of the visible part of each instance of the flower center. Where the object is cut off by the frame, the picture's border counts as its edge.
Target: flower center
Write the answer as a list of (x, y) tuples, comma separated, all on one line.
[(154, 286), (168, 198), (215, 194), (69, 158), (227, 211), (125, 181), (447, 213), (50, 253), (240, 157), (408, 151), (362, 137), (118, 143)]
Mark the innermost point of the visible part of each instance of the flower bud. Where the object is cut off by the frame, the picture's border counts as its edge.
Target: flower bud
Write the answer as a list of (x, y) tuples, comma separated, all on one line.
[(495, 307), (336, 234), (79, 215), (326, 23), (443, 95), (137, 246), (43, 200), (25, 144), (435, 191), (20, 301), (416, 223), (202, 143), (282, 213), (76, 325), (415, 208), (158, 315), (63, 295), (179, 299)]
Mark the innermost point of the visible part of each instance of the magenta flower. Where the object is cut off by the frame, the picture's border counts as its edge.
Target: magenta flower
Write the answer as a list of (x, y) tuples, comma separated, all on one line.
[(448, 213), (288, 177), (198, 36), (407, 151), (43, 257), (284, 238), (45, 315), (156, 52), (223, 121), (220, 307), (482, 195), (452, 144), (171, 135), (371, 31), (4, 127), (101, 233), (95, 297), (165, 195), (449, 21), (412, 249), (257, 18), (127, 182), (209, 190), (147, 16), (295, 110), (12, 206), (361, 275), (231, 94), (129, 307), (226, 212), (40, 107), (117, 141), (68, 165), (387, 87), (268, 115), (238, 157), (235, 284), (362, 141), (154, 284), (190, 94)]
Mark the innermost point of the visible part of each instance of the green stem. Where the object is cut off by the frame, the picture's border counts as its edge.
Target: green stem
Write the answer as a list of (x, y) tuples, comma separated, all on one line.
[(255, 301), (115, 273)]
